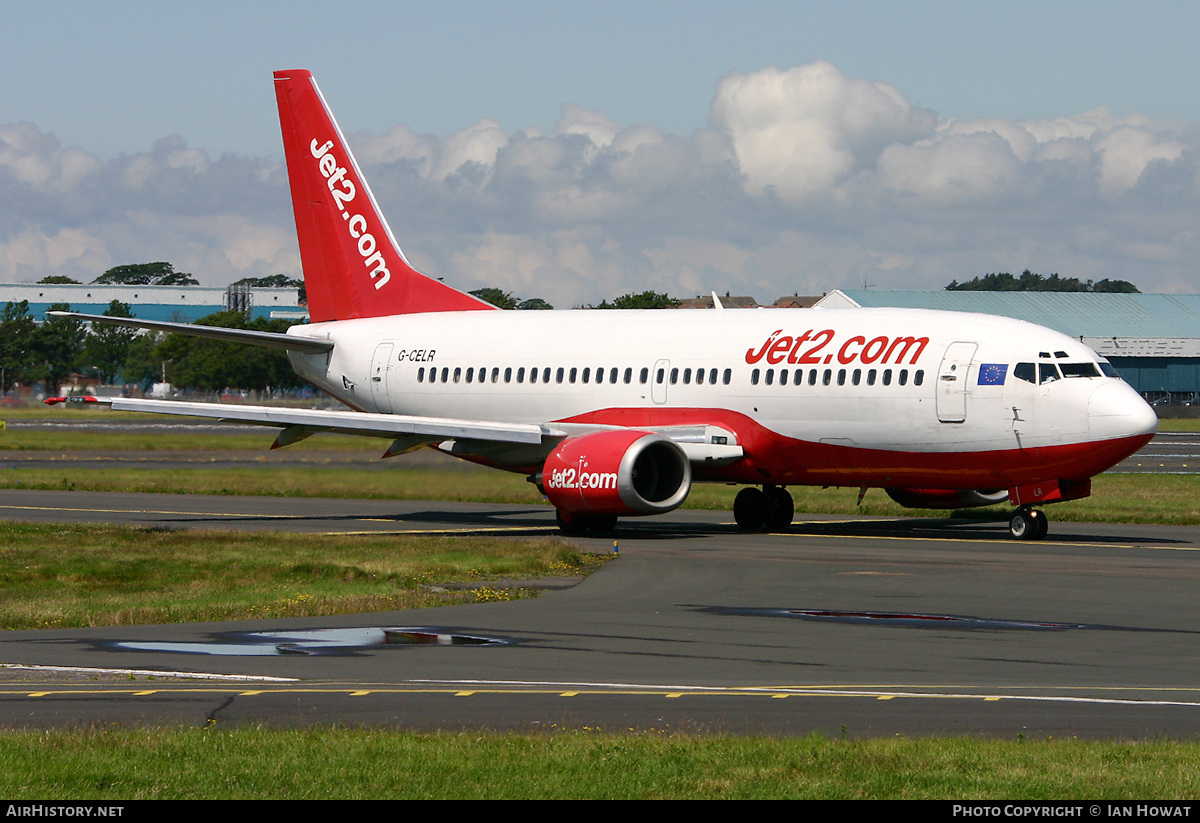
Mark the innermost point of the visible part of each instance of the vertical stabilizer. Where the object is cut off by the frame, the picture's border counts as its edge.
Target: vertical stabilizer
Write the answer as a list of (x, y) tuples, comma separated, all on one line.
[(353, 266)]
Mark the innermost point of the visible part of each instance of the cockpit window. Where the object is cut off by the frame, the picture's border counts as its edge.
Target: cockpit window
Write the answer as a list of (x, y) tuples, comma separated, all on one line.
[(1107, 369), (1047, 373), (1080, 370), (1026, 372)]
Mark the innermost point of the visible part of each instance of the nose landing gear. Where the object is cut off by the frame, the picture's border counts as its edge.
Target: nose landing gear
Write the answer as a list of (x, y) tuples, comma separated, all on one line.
[(1028, 524)]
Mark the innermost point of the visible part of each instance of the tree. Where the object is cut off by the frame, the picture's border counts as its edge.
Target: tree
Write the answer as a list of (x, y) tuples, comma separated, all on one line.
[(275, 281), (58, 280), (1030, 281), (57, 345), (16, 343), (496, 297), (642, 300), (145, 274), (534, 304), (108, 345)]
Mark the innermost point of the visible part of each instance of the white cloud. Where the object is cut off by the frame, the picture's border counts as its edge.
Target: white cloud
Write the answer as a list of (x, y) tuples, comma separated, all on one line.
[(802, 131), (806, 181)]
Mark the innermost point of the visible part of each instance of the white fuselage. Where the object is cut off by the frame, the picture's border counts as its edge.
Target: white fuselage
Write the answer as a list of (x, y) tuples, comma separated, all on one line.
[(846, 396)]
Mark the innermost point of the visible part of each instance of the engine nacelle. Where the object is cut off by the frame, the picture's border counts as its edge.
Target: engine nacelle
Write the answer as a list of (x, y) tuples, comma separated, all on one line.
[(946, 498), (617, 472)]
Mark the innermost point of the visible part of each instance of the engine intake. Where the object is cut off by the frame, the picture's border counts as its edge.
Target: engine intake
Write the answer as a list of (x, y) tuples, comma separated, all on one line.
[(617, 472)]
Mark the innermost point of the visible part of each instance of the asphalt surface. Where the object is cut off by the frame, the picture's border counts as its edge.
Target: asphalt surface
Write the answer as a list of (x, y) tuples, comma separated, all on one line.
[(841, 625)]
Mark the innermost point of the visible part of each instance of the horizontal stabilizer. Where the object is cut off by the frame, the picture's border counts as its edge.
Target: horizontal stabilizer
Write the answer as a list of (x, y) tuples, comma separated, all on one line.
[(270, 339)]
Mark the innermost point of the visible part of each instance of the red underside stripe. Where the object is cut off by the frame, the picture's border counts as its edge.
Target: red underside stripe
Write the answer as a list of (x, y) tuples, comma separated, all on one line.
[(775, 458)]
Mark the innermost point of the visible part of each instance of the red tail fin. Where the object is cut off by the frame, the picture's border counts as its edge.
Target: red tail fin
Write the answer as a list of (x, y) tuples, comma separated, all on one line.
[(352, 264)]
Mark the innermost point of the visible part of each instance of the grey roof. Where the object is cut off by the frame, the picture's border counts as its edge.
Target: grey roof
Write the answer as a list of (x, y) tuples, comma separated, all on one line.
[(1078, 314)]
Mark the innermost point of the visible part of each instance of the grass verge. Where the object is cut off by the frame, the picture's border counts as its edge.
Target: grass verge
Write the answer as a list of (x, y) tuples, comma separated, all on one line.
[(54, 576), (338, 763)]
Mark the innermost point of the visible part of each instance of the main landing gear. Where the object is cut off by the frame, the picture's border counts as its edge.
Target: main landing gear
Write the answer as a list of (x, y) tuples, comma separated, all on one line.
[(577, 524), (1028, 524), (769, 508)]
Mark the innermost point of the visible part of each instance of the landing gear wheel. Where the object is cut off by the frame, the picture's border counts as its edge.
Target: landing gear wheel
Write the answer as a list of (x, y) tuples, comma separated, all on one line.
[(601, 523), (1043, 524), (780, 508), (750, 509), (1028, 524), (570, 523), (574, 524)]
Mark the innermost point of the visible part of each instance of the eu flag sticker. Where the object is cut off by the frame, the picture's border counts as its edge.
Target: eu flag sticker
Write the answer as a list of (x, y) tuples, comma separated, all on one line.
[(992, 374)]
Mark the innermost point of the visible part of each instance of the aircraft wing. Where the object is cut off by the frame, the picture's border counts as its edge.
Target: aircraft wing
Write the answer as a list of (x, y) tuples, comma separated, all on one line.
[(297, 424), (706, 445)]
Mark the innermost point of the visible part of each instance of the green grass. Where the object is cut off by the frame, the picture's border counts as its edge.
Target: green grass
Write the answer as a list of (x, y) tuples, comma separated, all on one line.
[(88, 575), (339, 763)]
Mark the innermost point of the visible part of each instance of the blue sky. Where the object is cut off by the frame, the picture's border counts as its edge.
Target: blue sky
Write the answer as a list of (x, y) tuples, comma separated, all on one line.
[(578, 150), (114, 77)]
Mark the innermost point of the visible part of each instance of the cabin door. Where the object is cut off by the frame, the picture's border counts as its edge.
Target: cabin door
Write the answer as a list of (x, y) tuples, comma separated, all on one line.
[(379, 374), (952, 383)]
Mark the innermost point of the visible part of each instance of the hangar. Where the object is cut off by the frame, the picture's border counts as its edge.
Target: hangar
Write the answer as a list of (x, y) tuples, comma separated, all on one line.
[(184, 304), (1153, 340)]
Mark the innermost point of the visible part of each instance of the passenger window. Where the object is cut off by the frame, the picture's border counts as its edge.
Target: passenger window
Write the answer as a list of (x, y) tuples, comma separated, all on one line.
[(644, 376), (612, 375), (587, 373), (687, 377), (871, 377), (508, 375), (919, 377), (496, 374), (727, 376), (699, 377), (558, 375), (470, 374), (903, 377), (574, 374), (628, 376), (856, 377), (828, 378), (533, 375), (445, 374), (812, 377), (887, 377), (421, 375), (521, 375), (770, 376)]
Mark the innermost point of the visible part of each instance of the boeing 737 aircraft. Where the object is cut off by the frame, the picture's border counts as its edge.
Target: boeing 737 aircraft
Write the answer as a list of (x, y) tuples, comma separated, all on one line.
[(618, 413)]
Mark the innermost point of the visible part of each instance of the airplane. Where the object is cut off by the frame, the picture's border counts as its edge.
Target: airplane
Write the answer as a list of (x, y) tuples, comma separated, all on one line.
[(617, 413)]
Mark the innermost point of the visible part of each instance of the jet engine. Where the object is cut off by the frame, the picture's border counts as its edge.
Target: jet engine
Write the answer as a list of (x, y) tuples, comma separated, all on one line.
[(947, 498), (621, 472)]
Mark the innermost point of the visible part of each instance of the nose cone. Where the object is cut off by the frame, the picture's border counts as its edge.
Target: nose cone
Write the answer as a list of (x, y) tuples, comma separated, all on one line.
[(1116, 411)]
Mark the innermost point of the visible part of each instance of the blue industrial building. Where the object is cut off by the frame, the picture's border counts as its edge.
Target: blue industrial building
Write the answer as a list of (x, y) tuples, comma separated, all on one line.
[(184, 304)]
